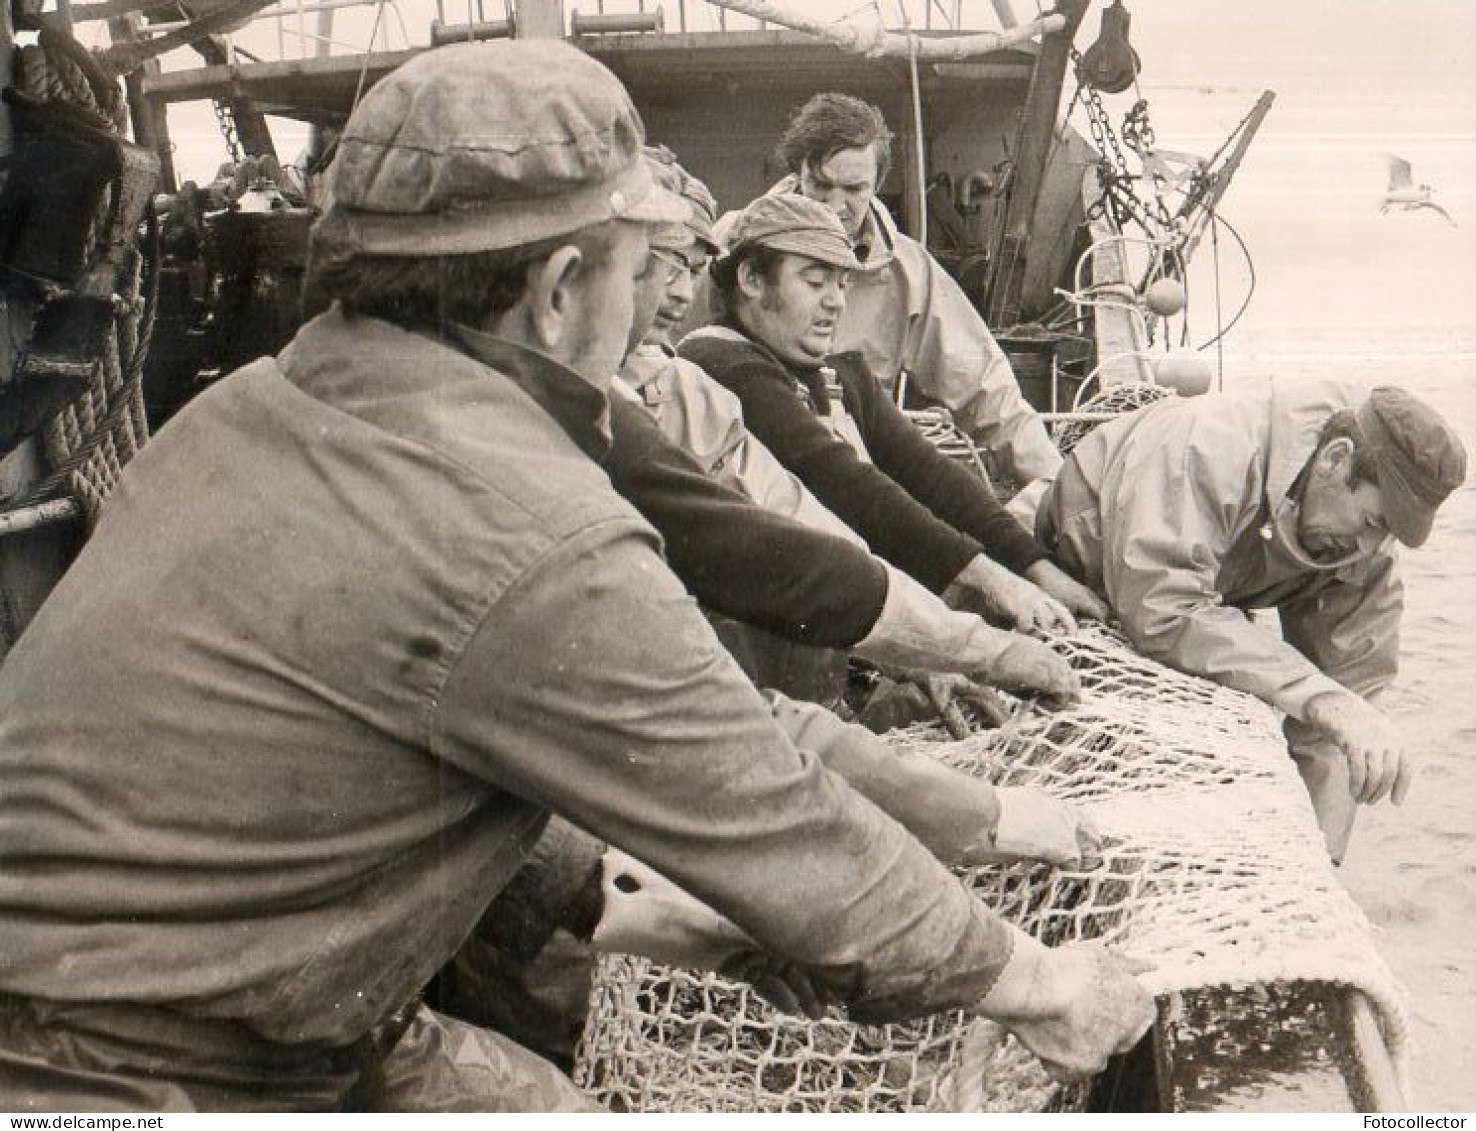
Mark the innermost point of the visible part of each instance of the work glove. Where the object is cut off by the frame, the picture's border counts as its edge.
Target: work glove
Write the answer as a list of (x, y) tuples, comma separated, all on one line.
[(1029, 668), (647, 914), (1078, 599), (1073, 1006), (1033, 825)]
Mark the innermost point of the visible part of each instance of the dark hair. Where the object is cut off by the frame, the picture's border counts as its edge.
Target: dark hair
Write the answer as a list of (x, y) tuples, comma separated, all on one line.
[(724, 271), (1343, 425), (430, 292), (828, 123)]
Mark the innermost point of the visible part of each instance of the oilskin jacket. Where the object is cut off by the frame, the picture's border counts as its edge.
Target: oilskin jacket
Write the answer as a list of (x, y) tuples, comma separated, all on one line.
[(1181, 515), (349, 627), (905, 314)]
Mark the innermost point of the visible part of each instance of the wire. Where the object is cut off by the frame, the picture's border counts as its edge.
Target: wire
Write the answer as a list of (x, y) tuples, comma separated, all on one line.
[(1250, 266), (920, 150)]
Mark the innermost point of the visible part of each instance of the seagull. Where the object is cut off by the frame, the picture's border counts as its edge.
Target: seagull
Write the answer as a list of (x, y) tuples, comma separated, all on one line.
[(1404, 194)]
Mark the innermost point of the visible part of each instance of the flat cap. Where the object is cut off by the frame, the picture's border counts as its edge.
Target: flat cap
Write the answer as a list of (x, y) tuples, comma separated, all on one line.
[(786, 221), (702, 205), (483, 146), (1420, 459)]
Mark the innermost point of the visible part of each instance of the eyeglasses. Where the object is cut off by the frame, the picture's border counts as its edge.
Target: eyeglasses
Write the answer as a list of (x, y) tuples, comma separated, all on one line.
[(677, 264)]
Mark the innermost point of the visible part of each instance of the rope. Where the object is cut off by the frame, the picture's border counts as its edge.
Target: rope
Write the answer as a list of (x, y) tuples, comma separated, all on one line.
[(87, 442)]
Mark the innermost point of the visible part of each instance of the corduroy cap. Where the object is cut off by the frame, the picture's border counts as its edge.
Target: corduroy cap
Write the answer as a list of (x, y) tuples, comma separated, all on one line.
[(786, 221), (1420, 459), (701, 204), (484, 146)]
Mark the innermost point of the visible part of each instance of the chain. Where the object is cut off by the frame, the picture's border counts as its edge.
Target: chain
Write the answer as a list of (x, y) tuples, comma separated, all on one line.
[(227, 122), (1118, 194)]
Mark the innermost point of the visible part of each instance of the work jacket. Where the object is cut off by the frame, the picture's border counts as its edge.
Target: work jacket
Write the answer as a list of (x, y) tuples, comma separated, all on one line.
[(906, 315), (347, 629), (1181, 515)]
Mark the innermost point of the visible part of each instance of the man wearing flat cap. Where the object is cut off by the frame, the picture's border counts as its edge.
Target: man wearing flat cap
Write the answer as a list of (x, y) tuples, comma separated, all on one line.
[(365, 613), (781, 287), (1192, 512)]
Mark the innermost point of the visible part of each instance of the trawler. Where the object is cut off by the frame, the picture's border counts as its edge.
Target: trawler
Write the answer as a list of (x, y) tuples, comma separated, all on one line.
[(1068, 228)]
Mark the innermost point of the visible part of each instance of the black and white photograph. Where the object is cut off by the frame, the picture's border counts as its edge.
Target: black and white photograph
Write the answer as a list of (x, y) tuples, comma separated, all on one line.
[(737, 556)]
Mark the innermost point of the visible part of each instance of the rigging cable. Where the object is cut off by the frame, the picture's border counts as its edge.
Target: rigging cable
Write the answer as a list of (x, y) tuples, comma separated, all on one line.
[(1250, 266), (919, 149)]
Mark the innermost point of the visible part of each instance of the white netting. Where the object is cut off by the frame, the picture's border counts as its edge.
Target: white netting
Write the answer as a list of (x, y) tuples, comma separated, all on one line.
[(1214, 871)]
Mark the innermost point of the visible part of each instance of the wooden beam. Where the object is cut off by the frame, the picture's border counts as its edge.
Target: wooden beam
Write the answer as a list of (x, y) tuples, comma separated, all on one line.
[(873, 40), (150, 126), (1120, 332), (1033, 146), (116, 9), (124, 57), (1381, 1080)]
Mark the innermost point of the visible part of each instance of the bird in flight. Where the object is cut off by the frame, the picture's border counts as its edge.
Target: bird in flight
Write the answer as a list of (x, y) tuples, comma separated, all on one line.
[(1404, 194)]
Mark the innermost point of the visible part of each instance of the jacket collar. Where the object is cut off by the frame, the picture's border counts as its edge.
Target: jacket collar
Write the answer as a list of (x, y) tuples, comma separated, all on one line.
[(580, 409), (1297, 413)]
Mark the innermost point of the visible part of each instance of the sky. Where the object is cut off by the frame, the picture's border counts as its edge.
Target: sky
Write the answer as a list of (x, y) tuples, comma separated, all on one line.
[(1354, 79)]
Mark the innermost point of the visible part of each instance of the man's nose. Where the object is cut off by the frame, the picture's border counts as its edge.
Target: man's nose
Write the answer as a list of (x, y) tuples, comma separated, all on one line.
[(680, 289)]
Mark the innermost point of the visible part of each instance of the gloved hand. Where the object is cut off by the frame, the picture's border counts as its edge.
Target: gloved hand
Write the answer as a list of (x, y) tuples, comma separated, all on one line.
[(950, 694), (647, 914), (1080, 600), (1028, 667), (1033, 825), (1073, 1006), (985, 586)]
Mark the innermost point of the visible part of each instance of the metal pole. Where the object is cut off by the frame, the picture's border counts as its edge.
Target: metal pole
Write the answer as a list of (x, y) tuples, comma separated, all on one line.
[(41, 514)]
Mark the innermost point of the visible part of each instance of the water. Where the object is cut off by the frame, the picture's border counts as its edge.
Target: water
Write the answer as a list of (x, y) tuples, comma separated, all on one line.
[(1413, 869)]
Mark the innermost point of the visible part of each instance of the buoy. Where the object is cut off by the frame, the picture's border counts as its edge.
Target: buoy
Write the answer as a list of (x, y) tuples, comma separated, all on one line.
[(1185, 373), (1165, 297)]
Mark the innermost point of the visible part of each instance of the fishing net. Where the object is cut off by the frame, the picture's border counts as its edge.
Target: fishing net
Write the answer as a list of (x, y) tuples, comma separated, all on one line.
[(1125, 397), (1213, 870)]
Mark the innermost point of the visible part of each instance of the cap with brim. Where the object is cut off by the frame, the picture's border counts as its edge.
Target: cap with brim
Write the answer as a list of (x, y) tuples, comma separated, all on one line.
[(701, 208), (795, 224), (488, 146), (1419, 457)]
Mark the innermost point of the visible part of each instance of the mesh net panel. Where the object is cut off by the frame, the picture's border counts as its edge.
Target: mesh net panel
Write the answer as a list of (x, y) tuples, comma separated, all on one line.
[(1213, 870)]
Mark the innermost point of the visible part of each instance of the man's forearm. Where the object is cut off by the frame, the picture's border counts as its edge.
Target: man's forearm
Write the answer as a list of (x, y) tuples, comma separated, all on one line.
[(917, 630)]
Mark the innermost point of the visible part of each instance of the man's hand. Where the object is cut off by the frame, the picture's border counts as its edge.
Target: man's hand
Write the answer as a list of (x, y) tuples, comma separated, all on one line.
[(1028, 667), (1072, 1006), (986, 587), (950, 694), (1080, 600), (647, 914), (1033, 825), (1378, 764)]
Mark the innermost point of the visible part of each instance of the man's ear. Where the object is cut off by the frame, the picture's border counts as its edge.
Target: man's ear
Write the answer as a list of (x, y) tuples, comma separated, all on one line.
[(750, 280), (551, 297), (1336, 456)]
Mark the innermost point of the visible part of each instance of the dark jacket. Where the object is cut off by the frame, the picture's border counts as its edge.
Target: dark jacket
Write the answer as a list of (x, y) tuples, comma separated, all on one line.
[(736, 558), (917, 508)]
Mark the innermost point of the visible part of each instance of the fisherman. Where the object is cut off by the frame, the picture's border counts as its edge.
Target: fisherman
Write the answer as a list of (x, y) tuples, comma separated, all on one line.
[(782, 287), (366, 611), (759, 578), (905, 315), (1191, 512)]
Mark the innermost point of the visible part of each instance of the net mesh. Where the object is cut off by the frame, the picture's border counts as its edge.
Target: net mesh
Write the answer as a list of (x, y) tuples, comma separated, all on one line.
[(1213, 870)]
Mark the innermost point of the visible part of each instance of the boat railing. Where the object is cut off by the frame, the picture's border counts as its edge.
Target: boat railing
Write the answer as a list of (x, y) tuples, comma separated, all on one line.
[(300, 29)]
